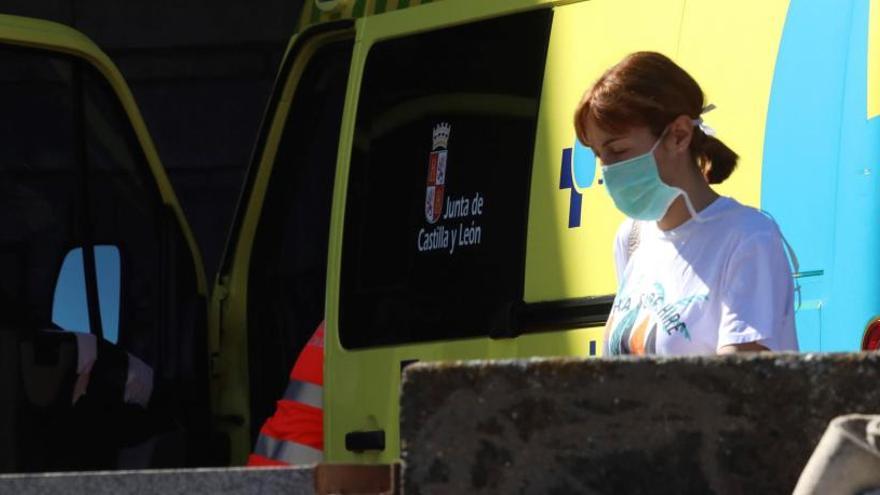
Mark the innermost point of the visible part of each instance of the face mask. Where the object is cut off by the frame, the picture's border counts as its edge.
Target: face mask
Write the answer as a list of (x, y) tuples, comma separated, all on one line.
[(637, 190)]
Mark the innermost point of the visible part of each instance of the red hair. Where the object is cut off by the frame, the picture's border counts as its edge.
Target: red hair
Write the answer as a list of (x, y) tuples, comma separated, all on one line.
[(649, 89)]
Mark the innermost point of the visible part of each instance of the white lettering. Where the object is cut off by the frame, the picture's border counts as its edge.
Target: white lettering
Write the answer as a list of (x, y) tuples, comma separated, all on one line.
[(456, 208), (460, 235), (469, 236), (454, 237), (433, 240), (478, 205)]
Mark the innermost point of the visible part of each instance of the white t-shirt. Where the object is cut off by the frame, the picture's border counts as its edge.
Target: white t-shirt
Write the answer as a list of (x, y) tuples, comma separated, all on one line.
[(703, 285)]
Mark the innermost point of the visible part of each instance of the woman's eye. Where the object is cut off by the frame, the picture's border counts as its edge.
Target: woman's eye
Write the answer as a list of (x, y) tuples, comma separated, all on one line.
[(611, 157)]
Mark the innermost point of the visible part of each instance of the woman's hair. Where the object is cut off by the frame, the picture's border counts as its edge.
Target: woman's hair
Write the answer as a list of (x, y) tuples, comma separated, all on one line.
[(649, 89)]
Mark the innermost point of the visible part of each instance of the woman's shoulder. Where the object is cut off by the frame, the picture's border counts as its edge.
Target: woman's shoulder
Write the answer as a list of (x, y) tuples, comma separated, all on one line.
[(746, 221)]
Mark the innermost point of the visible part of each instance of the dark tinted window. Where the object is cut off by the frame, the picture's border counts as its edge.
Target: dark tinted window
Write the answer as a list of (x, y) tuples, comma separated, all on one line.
[(75, 186), (161, 316), (435, 229), (127, 211), (41, 205), (289, 258), (73, 175)]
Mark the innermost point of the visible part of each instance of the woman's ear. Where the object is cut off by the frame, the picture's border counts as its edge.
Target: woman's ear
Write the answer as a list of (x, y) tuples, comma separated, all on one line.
[(682, 131)]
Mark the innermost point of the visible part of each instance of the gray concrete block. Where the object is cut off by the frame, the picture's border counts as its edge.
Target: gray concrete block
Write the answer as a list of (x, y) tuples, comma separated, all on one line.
[(234, 481), (738, 424)]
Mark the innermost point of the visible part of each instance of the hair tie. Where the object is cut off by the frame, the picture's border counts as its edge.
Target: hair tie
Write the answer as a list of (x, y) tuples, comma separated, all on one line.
[(698, 122)]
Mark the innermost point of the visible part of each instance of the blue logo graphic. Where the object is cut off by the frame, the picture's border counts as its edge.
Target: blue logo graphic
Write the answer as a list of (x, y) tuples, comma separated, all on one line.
[(819, 176), (577, 173)]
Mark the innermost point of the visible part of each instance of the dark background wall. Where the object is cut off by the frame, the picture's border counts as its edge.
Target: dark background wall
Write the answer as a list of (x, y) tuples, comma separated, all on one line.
[(201, 72)]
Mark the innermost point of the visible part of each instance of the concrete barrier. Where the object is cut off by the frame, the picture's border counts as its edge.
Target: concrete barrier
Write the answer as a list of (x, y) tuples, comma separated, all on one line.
[(738, 424), (324, 479), (234, 481)]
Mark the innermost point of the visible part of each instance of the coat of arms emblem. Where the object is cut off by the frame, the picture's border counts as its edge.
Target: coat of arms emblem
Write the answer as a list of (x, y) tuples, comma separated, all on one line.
[(437, 173)]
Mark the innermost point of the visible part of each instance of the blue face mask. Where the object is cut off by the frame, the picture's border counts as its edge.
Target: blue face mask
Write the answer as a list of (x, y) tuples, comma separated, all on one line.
[(637, 190)]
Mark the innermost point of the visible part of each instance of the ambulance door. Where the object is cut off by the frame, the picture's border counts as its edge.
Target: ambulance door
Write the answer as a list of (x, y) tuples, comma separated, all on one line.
[(430, 214), (269, 296), (92, 241)]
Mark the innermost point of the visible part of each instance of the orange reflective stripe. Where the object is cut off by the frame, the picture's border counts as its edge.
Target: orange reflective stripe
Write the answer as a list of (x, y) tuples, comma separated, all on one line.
[(295, 432), (296, 422), (309, 366)]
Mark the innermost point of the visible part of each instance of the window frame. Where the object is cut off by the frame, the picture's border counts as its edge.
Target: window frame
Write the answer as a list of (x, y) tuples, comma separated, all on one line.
[(271, 217), (301, 43)]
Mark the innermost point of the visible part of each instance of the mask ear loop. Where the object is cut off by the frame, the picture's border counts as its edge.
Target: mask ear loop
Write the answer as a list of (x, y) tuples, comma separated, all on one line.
[(694, 215), (792, 259)]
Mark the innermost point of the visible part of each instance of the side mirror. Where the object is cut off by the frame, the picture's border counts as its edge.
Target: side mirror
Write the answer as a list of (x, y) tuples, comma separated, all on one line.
[(70, 309)]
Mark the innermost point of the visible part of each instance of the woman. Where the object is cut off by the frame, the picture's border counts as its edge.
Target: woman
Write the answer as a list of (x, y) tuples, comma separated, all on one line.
[(698, 273)]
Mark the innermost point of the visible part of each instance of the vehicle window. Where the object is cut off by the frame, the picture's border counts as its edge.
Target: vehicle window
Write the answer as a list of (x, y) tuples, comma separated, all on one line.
[(436, 211), (126, 210), (41, 205), (70, 306), (73, 175), (289, 258), (87, 244)]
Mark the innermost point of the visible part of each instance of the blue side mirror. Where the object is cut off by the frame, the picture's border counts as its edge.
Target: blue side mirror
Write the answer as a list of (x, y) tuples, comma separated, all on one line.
[(70, 307)]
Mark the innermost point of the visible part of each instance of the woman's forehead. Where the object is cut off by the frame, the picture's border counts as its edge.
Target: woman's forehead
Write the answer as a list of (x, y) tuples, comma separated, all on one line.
[(599, 136), (596, 134)]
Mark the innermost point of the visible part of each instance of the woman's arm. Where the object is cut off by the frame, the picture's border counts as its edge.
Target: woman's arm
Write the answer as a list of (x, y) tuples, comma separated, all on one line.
[(747, 347)]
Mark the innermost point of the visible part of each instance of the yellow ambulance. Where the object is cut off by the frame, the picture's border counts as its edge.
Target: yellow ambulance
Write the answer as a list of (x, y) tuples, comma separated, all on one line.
[(418, 185)]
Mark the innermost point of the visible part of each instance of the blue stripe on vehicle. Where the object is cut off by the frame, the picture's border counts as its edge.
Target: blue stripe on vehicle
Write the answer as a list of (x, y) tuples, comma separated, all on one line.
[(819, 173)]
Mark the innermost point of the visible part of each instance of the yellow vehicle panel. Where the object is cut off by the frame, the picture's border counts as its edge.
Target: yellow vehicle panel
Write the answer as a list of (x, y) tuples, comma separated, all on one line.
[(737, 73)]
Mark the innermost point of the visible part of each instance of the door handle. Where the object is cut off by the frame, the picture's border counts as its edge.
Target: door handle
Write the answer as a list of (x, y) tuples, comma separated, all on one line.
[(360, 441)]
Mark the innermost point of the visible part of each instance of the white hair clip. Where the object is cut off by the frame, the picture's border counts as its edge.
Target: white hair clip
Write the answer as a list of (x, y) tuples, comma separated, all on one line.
[(702, 125)]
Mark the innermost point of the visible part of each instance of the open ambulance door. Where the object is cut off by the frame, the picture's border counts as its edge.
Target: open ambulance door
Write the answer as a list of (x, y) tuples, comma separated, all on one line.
[(103, 344), (269, 294)]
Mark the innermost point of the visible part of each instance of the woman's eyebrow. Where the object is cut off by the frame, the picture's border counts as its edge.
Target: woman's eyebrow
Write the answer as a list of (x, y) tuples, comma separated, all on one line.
[(610, 140)]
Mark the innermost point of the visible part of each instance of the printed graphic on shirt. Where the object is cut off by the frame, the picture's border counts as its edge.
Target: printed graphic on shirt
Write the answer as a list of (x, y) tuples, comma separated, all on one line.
[(635, 320)]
